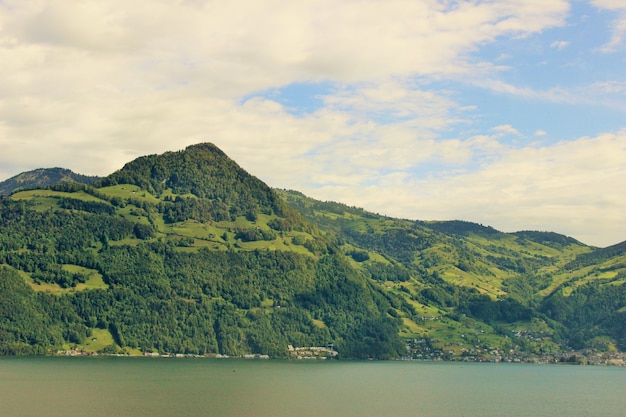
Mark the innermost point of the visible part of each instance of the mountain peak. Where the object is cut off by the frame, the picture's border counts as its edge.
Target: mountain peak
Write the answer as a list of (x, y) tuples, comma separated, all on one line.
[(202, 170), (205, 147)]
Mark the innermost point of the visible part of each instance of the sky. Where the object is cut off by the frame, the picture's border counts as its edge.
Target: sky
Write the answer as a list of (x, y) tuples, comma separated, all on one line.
[(507, 113)]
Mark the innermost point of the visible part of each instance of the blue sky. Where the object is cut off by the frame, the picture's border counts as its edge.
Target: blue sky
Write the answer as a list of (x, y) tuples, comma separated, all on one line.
[(508, 113)]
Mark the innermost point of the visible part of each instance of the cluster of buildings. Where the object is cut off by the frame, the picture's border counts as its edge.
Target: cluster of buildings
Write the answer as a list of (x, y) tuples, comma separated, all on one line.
[(422, 349), (312, 352)]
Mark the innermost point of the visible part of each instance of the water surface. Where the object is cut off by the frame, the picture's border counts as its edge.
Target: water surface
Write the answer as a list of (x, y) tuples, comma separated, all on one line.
[(159, 387)]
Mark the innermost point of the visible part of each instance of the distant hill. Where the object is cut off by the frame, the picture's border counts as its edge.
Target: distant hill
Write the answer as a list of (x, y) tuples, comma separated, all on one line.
[(41, 178), (185, 252)]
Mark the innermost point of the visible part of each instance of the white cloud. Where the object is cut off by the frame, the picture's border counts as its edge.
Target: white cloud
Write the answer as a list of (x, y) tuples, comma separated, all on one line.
[(606, 93), (559, 44), (556, 94), (240, 46), (609, 87), (393, 101), (88, 25), (507, 130), (618, 25)]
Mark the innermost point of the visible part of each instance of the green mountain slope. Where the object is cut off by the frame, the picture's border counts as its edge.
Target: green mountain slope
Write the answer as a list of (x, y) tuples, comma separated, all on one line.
[(42, 177), (181, 253), (480, 281), (186, 252)]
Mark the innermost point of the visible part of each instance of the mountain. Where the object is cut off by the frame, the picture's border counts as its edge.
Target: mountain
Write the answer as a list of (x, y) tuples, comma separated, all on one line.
[(186, 252), (467, 282), (183, 252), (42, 177)]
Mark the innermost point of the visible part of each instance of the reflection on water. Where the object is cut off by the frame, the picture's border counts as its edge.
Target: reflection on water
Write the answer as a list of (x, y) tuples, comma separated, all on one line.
[(124, 387)]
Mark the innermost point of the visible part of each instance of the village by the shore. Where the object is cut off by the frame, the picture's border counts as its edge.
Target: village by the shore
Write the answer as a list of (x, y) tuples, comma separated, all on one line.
[(417, 350), (420, 349)]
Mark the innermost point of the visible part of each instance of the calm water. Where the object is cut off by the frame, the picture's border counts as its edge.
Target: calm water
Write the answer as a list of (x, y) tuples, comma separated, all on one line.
[(147, 387)]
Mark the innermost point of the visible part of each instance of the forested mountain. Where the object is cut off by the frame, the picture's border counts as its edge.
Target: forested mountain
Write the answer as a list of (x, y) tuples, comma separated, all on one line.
[(185, 252), (180, 253), (469, 283), (42, 177)]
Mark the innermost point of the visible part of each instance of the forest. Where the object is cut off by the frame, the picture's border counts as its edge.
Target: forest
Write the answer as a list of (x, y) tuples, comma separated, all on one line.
[(187, 253)]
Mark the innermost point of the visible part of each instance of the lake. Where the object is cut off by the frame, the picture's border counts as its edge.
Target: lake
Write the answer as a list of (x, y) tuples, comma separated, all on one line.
[(172, 387)]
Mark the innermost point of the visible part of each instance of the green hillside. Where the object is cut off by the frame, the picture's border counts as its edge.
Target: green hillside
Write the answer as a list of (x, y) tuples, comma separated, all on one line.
[(42, 177), (180, 253), (469, 282), (187, 253)]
